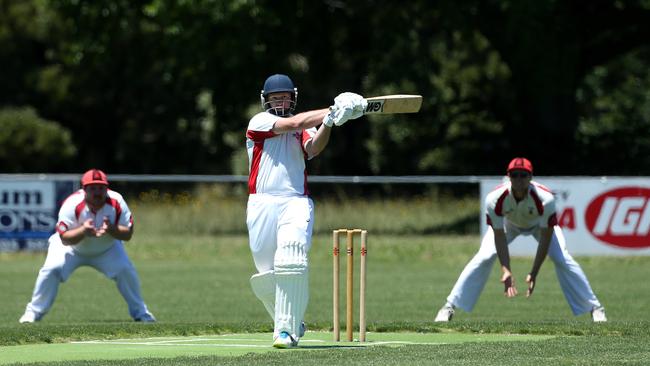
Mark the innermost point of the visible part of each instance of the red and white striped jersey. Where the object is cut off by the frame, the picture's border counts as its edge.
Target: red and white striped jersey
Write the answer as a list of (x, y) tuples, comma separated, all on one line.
[(276, 162), (536, 210), (75, 211)]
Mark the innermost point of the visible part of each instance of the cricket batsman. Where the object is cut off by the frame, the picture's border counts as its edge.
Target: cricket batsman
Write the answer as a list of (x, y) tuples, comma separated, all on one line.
[(280, 213)]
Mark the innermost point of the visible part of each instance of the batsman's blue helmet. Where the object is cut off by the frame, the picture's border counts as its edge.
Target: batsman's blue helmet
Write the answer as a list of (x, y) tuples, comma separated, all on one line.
[(275, 84)]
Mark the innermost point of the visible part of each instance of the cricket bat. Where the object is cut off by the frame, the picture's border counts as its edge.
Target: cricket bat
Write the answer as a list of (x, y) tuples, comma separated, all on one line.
[(396, 103)]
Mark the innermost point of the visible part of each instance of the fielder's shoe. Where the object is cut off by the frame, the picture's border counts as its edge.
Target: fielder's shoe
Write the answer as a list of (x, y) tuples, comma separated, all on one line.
[(598, 314), (445, 314), (285, 340), (29, 317), (146, 318)]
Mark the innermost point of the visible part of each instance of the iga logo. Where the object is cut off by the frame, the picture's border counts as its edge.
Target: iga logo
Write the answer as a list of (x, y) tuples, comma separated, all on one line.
[(621, 217)]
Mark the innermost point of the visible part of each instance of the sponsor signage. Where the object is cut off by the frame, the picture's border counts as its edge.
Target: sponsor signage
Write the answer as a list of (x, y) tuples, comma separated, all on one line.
[(29, 212), (598, 216)]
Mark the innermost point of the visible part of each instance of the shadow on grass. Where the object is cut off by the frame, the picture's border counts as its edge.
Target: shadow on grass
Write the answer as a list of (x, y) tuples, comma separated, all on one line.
[(342, 346)]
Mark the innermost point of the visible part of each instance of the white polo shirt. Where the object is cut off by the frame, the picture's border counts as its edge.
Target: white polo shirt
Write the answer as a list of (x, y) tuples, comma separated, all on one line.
[(276, 162), (74, 212), (536, 210)]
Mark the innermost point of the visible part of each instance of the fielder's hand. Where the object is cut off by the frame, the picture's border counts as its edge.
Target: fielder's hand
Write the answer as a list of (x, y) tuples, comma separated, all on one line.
[(509, 285), (89, 228), (530, 280)]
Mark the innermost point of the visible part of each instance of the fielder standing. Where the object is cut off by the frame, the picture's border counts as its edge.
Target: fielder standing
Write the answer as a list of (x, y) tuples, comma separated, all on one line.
[(280, 214), (522, 207), (93, 223)]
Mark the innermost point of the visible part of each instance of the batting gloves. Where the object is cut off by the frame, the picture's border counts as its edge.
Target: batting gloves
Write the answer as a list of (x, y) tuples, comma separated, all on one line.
[(337, 116), (352, 101)]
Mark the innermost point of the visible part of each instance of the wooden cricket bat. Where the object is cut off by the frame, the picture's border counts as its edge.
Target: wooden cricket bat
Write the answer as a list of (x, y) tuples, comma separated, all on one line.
[(396, 103)]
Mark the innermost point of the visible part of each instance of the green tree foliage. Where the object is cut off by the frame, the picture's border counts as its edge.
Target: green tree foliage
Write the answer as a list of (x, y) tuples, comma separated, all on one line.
[(24, 35), (154, 86), (549, 47), (30, 144), (615, 121)]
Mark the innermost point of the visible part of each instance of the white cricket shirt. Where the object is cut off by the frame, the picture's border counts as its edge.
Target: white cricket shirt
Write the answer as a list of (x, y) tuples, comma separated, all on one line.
[(74, 212), (276, 162), (537, 209)]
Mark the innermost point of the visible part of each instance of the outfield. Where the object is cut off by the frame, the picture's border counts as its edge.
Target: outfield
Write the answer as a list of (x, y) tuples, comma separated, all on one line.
[(198, 286)]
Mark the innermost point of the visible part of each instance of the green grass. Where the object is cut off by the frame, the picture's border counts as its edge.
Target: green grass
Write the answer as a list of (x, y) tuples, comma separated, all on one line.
[(229, 345), (199, 285)]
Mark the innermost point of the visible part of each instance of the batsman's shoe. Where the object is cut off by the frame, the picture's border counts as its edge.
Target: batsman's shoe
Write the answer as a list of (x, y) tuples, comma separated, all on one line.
[(146, 318), (598, 315), (29, 317), (285, 340), (445, 314)]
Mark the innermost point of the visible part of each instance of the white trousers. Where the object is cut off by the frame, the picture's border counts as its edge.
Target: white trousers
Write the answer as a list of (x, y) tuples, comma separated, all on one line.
[(62, 260), (272, 220), (280, 230), (572, 279)]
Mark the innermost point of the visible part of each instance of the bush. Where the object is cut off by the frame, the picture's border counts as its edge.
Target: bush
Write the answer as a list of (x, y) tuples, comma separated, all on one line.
[(30, 144)]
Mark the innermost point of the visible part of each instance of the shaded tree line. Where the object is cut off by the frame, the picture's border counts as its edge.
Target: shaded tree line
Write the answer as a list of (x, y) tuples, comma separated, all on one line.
[(153, 86)]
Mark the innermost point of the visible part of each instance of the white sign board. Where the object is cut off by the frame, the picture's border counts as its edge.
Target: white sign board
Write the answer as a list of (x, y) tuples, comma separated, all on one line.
[(28, 212), (599, 216)]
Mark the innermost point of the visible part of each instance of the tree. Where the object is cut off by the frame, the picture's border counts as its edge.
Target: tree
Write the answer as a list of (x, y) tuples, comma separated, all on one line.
[(30, 144), (549, 47)]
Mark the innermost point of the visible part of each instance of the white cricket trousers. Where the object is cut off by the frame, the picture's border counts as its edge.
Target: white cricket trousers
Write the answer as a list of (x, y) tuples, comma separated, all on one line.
[(572, 279), (280, 230), (62, 260)]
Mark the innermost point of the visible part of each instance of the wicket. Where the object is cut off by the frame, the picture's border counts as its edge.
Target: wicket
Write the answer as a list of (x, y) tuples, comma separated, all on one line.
[(350, 283)]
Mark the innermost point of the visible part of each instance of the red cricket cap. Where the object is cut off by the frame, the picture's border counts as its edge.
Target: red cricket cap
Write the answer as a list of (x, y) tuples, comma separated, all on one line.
[(520, 164), (94, 176)]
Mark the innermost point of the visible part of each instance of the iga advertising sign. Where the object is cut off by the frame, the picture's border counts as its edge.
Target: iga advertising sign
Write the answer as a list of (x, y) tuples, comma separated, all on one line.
[(29, 211), (599, 216)]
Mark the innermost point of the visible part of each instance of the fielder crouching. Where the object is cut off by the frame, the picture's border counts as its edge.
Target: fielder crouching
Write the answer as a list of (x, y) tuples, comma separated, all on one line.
[(93, 223), (524, 207)]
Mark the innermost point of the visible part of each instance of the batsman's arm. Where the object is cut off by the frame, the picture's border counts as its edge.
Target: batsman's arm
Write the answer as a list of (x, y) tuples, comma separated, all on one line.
[(314, 146), (300, 121)]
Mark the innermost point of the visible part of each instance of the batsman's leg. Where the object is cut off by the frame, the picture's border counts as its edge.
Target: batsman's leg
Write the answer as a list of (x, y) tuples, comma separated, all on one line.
[(291, 269), (263, 285), (261, 220), (292, 287)]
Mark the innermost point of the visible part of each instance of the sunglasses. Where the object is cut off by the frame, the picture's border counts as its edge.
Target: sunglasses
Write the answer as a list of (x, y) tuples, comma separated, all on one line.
[(519, 175)]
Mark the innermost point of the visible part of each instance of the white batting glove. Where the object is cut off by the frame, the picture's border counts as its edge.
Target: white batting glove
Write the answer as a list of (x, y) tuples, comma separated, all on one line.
[(328, 120), (353, 101), (342, 115)]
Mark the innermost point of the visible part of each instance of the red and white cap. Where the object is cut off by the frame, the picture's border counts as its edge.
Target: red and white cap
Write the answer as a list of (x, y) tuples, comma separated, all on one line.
[(94, 176), (520, 164)]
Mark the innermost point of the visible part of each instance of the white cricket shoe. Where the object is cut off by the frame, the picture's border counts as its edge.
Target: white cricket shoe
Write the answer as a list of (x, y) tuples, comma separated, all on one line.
[(146, 318), (598, 314), (285, 340), (445, 314), (29, 317)]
